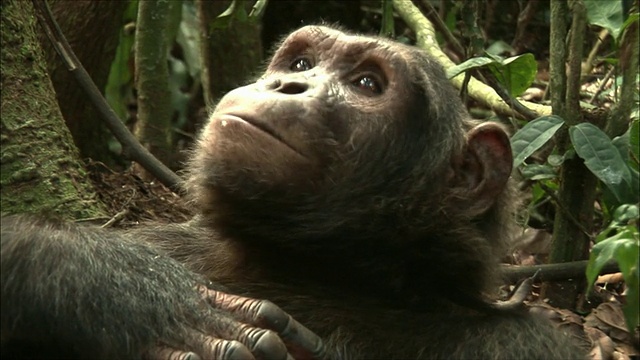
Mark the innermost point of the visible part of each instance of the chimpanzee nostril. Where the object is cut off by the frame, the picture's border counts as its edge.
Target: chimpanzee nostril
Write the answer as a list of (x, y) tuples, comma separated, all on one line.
[(293, 87), (274, 85)]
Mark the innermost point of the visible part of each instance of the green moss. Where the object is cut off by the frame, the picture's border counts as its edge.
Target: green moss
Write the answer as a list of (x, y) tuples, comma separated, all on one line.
[(35, 140)]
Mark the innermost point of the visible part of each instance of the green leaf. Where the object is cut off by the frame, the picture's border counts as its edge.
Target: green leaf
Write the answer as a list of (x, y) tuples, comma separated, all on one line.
[(624, 248), (500, 47), (533, 136), (555, 159), (630, 20), (606, 13), (538, 172), (516, 73), (607, 249), (537, 193), (598, 258), (258, 9), (472, 63), (622, 144), (223, 21), (625, 213), (602, 158)]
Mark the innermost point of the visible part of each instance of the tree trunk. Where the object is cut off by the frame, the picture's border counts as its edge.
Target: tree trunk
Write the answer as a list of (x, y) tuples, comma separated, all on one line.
[(231, 51), (40, 167), (154, 33), (573, 221), (92, 29)]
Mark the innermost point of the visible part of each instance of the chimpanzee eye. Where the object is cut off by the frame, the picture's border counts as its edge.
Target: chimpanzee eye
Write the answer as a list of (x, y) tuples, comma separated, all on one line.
[(301, 64), (368, 84)]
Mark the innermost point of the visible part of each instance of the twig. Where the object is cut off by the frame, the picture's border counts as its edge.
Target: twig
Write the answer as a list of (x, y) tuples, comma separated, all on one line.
[(506, 97), (134, 150), (427, 10), (554, 272), (564, 210), (603, 83), (117, 217), (594, 51)]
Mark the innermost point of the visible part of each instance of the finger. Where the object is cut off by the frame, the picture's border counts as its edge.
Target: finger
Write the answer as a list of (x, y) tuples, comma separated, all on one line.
[(167, 353), (211, 348), (262, 343), (302, 342)]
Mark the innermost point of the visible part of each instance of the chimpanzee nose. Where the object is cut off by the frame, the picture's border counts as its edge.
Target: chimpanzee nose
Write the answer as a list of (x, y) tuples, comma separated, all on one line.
[(293, 87), (289, 86)]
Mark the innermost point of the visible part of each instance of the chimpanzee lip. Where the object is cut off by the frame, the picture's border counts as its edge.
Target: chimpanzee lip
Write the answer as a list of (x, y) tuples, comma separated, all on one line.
[(265, 128)]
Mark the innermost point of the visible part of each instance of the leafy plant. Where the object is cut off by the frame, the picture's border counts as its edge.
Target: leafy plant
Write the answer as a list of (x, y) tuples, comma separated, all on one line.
[(620, 241), (614, 163)]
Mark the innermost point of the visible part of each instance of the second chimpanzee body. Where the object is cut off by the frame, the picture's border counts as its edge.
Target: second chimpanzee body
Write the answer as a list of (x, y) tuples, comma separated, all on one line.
[(346, 185)]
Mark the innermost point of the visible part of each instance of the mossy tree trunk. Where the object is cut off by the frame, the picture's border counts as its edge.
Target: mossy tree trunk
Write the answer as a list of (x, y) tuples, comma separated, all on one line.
[(91, 28), (40, 167), (157, 21)]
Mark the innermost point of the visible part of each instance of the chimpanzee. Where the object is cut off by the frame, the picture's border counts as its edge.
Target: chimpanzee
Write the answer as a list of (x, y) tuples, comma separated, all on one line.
[(346, 185)]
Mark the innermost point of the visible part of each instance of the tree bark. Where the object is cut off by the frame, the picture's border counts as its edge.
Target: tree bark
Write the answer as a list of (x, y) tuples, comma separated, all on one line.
[(40, 170), (231, 52), (577, 194), (153, 127)]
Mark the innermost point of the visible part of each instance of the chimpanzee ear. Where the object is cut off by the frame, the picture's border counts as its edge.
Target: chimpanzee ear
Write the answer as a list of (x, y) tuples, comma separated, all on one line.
[(484, 169)]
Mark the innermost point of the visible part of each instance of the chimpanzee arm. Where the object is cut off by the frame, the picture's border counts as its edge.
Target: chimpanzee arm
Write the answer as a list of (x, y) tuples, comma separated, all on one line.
[(92, 293)]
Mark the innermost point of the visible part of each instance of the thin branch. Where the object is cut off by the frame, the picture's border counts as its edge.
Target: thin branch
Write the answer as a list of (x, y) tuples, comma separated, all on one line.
[(594, 52), (554, 272), (133, 149), (524, 111), (603, 83), (618, 119), (576, 51), (427, 9), (564, 210)]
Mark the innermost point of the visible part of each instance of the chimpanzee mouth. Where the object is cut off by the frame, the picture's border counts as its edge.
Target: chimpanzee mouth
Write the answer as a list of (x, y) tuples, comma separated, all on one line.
[(264, 128)]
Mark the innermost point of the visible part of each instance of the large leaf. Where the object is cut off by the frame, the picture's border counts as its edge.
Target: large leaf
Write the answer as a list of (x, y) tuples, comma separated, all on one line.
[(606, 13), (516, 73), (623, 247), (622, 143), (538, 172), (472, 63), (533, 136), (602, 158), (627, 145)]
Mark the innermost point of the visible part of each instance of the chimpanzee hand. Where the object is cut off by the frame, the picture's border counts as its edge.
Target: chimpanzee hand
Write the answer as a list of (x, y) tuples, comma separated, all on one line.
[(82, 292), (258, 329)]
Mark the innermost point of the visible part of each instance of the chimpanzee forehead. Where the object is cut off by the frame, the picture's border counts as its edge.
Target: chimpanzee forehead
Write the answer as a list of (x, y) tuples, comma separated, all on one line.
[(342, 44)]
